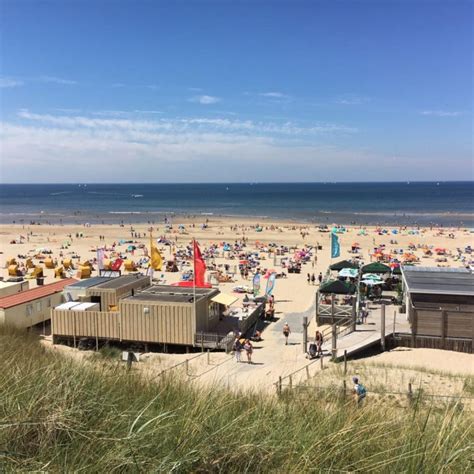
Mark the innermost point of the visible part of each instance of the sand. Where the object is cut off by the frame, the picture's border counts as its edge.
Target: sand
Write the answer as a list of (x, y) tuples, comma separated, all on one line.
[(293, 295)]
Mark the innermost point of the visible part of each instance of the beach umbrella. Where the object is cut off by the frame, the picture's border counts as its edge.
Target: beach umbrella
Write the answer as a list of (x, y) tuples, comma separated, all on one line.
[(343, 264), (337, 287), (372, 282), (348, 272), (371, 276), (375, 267)]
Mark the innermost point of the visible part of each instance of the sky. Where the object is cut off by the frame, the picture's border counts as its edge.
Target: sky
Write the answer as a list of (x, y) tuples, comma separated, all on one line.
[(235, 91)]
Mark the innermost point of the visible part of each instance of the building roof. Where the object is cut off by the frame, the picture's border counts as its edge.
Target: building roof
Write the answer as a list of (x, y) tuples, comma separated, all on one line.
[(173, 294), (121, 281), (35, 293), (438, 280), (88, 282)]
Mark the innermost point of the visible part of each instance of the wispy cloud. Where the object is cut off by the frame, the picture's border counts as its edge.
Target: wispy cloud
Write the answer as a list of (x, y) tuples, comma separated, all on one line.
[(195, 89), (9, 82), (352, 100), (193, 125), (441, 113), (205, 99), (274, 95), (57, 80)]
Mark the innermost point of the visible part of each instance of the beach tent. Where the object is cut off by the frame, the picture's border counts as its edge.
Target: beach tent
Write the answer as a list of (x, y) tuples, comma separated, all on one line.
[(372, 282), (371, 276), (343, 264), (375, 267), (337, 287)]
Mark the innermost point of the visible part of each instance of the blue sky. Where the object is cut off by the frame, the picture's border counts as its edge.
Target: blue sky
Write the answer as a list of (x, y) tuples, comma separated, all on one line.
[(235, 91)]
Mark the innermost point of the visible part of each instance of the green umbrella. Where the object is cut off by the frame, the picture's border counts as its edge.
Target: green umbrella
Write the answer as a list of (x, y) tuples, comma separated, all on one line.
[(376, 267), (337, 287), (343, 264)]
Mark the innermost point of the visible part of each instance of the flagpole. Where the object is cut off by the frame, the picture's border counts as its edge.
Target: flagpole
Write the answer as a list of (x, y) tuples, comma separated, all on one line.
[(194, 277)]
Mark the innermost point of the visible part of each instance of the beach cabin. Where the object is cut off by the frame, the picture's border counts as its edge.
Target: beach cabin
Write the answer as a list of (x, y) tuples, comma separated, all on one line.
[(108, 293), (440, 307), (12, 287), (159, 315), (31, 307)]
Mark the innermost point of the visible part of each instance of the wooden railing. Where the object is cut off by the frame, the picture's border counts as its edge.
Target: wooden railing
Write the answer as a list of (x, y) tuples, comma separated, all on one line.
[(207, 340)]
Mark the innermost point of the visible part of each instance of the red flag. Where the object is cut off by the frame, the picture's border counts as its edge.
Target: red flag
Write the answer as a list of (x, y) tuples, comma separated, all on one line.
[(199, 267)]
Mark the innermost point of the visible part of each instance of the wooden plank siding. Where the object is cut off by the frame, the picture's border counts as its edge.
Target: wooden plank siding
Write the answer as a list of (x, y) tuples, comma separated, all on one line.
[(104, 325)]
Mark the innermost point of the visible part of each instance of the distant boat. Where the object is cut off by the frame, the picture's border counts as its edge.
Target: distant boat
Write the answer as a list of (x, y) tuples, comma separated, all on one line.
[(137, 195), (227, 188)]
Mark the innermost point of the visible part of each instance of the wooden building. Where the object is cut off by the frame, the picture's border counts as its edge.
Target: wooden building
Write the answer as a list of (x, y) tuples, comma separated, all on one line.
[(109, 293), (31, 307), (440, 307), (11, 287), (161, 314)]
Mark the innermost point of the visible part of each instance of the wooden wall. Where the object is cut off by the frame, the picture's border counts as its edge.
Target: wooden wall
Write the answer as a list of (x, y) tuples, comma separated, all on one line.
[(100, 324)]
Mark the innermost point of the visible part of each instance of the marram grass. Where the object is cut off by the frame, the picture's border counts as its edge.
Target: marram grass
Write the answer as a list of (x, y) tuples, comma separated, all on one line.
[(60, 415)]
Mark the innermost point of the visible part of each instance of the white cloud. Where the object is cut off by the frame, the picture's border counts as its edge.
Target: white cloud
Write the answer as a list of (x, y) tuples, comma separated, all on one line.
[(274, 95), (57, 80), (441, 113), (205, 99), (8, 82), (352, 100)]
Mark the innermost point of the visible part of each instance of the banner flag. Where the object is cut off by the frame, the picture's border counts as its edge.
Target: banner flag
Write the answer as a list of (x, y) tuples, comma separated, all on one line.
[(335, 247)]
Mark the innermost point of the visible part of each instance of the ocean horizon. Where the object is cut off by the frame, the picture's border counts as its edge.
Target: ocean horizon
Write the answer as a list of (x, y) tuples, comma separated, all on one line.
[(446, 203)]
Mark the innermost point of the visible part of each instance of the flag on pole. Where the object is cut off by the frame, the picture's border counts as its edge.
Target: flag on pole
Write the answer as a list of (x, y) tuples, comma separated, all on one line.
[(256, 284), (199, 266), (270, 284), (156, 260), (100, 258), (335, 247)]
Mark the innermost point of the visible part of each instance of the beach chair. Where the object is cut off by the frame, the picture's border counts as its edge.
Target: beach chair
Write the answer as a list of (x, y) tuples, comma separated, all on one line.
[(36, 273), (11, 261), (48, 263), (59, 272), (84, 272), (116, 265), (130, 266), (67, 264), (107, 264), (13, 270), (29, 264)]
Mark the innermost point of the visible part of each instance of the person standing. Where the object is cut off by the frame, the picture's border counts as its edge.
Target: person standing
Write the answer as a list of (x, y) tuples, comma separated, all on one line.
[(249, 350), (313, 279), (308, 278), (237, 349), (318, 339), (359, 391), (320, 277), (286, 332)]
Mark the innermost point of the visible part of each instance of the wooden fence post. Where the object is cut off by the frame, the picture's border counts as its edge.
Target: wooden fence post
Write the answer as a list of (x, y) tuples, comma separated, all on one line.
[(202, 341), (345, 362), (307, 372), (186, 365), (290, 381), (410, 394), (321, 360), (305, 334), (334, 342), (208, 358), (279, 386), (354, 313), (344, 389), (382, 326)]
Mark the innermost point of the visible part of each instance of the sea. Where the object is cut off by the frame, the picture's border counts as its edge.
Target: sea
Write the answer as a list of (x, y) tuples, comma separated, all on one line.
[(390, 203)]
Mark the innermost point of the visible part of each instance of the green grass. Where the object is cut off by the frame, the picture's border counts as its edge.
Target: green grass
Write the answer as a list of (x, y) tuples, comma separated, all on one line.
[(59, 415)]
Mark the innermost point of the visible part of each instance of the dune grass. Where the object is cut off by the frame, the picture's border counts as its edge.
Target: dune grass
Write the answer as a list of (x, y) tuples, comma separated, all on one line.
[(58, 414)]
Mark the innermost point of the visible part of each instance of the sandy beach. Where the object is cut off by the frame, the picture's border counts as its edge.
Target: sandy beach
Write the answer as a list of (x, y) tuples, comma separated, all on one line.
[(292, 294)]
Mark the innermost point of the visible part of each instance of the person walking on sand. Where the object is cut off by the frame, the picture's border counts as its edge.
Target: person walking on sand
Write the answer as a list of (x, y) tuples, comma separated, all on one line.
[(313, 279), (237, 349), (320, 277), (248, 349), (286, 332), (308, 278)]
